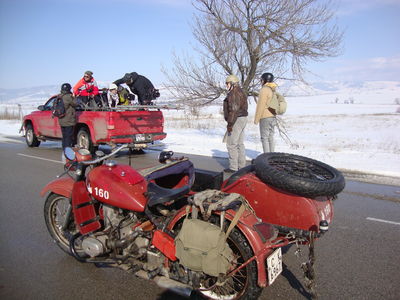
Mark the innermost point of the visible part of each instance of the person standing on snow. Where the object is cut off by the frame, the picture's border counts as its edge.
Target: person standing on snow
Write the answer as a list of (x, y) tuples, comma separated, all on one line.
[(235, 114), (86, 89), (68, 122), (265, 115), (141, 86)]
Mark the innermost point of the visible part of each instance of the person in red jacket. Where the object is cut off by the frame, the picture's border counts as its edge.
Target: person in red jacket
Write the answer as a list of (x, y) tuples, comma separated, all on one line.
[(86, 90)]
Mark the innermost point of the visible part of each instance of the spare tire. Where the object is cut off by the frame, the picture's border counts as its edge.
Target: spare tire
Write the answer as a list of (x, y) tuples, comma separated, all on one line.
[(299, 175)]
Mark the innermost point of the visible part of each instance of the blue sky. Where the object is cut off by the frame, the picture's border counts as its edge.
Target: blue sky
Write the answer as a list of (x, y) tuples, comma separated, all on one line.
[(46, 42)]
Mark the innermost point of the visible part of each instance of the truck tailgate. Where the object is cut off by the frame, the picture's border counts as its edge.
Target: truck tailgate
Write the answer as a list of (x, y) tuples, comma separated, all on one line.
[(125, 124), (131, 122)]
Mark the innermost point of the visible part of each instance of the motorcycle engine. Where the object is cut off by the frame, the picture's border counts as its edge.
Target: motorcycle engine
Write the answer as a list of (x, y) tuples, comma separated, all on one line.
[(118, 232), (94, 246)]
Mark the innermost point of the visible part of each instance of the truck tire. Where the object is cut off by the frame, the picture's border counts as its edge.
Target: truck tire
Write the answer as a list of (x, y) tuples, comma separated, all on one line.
[(299, 175), (84, 140), (30, 136)]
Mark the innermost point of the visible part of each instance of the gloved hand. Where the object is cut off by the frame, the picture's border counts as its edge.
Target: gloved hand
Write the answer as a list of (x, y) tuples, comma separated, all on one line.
[(131, 97), (89, 90)]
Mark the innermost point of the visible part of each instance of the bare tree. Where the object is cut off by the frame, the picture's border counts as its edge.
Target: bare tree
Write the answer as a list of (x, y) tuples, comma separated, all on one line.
[(249, 37)]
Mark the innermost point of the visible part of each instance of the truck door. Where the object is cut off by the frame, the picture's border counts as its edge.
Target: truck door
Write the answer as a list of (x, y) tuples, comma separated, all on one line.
[(48, 125)]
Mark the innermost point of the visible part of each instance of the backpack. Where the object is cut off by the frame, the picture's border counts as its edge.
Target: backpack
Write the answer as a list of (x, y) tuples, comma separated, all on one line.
[(202, 247), (123, 94), (278, 104), (58, 108)]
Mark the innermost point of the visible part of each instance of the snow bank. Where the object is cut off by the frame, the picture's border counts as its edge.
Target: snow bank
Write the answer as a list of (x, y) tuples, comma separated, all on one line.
[(360, 136)]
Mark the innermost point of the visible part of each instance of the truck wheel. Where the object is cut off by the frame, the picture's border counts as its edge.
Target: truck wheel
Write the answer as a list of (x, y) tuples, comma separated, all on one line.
[(30, 137), (299, 175), (84, 140)]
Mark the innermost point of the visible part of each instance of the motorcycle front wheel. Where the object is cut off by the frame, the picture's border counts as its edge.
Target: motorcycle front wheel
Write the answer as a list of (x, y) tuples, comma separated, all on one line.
[(59, 221), (241, 285)]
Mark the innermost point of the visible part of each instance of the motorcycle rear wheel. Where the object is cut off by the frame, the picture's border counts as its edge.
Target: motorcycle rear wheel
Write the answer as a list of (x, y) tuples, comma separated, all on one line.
[(243, 284), (55, 214)]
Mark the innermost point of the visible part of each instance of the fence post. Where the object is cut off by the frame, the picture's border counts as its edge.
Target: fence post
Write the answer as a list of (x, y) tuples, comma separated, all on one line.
[(20, 112)]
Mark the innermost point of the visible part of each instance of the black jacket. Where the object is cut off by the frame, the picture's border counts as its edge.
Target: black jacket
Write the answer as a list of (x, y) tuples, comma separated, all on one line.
[(141, 86), (69, 103)]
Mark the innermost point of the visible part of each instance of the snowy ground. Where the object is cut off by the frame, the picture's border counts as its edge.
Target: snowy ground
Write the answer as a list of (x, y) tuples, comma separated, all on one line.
[(363, 136)]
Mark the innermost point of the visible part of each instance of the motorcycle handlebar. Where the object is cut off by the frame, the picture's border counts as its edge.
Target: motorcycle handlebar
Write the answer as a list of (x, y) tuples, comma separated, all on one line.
[(97, 160)]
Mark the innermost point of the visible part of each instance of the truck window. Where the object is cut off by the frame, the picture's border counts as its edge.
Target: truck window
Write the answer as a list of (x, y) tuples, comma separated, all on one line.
[(49, 104)]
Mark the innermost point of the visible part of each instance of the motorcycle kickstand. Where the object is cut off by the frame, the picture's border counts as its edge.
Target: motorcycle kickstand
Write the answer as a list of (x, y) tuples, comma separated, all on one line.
[(308, 266)]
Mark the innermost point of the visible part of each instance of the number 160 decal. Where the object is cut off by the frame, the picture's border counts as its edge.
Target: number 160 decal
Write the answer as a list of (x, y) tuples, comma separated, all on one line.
[(101, 193)]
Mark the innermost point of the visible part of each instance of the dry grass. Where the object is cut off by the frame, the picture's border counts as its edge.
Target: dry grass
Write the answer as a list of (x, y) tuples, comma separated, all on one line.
[(10, 113)]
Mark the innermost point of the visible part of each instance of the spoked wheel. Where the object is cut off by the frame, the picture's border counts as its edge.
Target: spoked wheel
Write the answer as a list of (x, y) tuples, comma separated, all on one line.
[(58, 214), (242, 284), (299, 175)]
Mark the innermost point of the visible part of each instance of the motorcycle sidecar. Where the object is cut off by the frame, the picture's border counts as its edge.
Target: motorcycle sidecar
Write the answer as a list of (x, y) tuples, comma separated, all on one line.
[(287, 211)]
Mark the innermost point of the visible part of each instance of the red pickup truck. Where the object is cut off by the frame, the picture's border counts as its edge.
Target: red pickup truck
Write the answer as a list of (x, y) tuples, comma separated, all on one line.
[(138, 126)]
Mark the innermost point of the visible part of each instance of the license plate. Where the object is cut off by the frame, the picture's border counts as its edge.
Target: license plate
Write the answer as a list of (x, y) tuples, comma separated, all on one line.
[(274, 265), (140, 138)]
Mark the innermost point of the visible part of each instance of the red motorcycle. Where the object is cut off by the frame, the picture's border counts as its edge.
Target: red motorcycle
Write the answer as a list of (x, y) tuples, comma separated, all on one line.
[(187, 229)]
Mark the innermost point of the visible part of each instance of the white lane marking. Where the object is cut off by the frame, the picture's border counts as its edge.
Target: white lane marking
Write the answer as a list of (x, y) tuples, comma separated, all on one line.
[(6, 139), (41, 158), (383, 221)]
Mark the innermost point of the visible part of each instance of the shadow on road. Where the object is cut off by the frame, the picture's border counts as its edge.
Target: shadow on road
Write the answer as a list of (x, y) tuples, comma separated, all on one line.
[(295, 283)]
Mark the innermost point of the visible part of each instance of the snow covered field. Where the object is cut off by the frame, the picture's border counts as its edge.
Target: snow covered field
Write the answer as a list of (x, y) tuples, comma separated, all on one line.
[(363, 136), (352, 137)]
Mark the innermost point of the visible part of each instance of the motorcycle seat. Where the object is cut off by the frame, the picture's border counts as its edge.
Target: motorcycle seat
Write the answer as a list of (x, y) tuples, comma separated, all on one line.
[(158, 195)]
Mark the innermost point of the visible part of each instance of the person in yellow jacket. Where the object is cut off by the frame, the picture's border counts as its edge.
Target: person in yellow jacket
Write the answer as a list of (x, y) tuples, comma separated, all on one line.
[(265, 115)]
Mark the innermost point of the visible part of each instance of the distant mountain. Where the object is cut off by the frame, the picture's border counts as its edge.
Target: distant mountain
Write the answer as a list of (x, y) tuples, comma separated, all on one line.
[(28, 95), (32, 95), (295, 89), (388, 91)]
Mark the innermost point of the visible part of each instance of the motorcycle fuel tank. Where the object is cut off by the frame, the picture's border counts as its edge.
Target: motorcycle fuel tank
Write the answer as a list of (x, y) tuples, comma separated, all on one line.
[(118, 185)]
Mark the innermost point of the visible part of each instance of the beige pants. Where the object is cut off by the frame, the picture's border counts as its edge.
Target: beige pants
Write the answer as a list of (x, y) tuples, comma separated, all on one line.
[(235, 145)]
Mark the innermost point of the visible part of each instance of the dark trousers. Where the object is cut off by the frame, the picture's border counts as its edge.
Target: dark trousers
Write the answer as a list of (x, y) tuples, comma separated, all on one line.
[(67, 136), (89, 102)]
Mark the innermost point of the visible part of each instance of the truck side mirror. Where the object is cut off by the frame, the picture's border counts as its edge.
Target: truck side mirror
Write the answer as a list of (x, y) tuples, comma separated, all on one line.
[(41, 107)]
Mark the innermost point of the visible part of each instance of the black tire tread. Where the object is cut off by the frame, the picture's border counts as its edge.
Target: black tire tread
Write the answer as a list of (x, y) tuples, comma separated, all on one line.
[(298, 185), (86, 130), (49, 226), (253, 291), (35, 142)]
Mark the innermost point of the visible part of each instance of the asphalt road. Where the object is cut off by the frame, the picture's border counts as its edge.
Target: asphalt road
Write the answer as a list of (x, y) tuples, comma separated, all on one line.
[(357, 259)]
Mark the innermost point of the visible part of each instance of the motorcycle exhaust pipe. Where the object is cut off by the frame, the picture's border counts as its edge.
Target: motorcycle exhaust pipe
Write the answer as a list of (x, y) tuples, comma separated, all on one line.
[(73, 250), (177, 287), (123, 243)]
